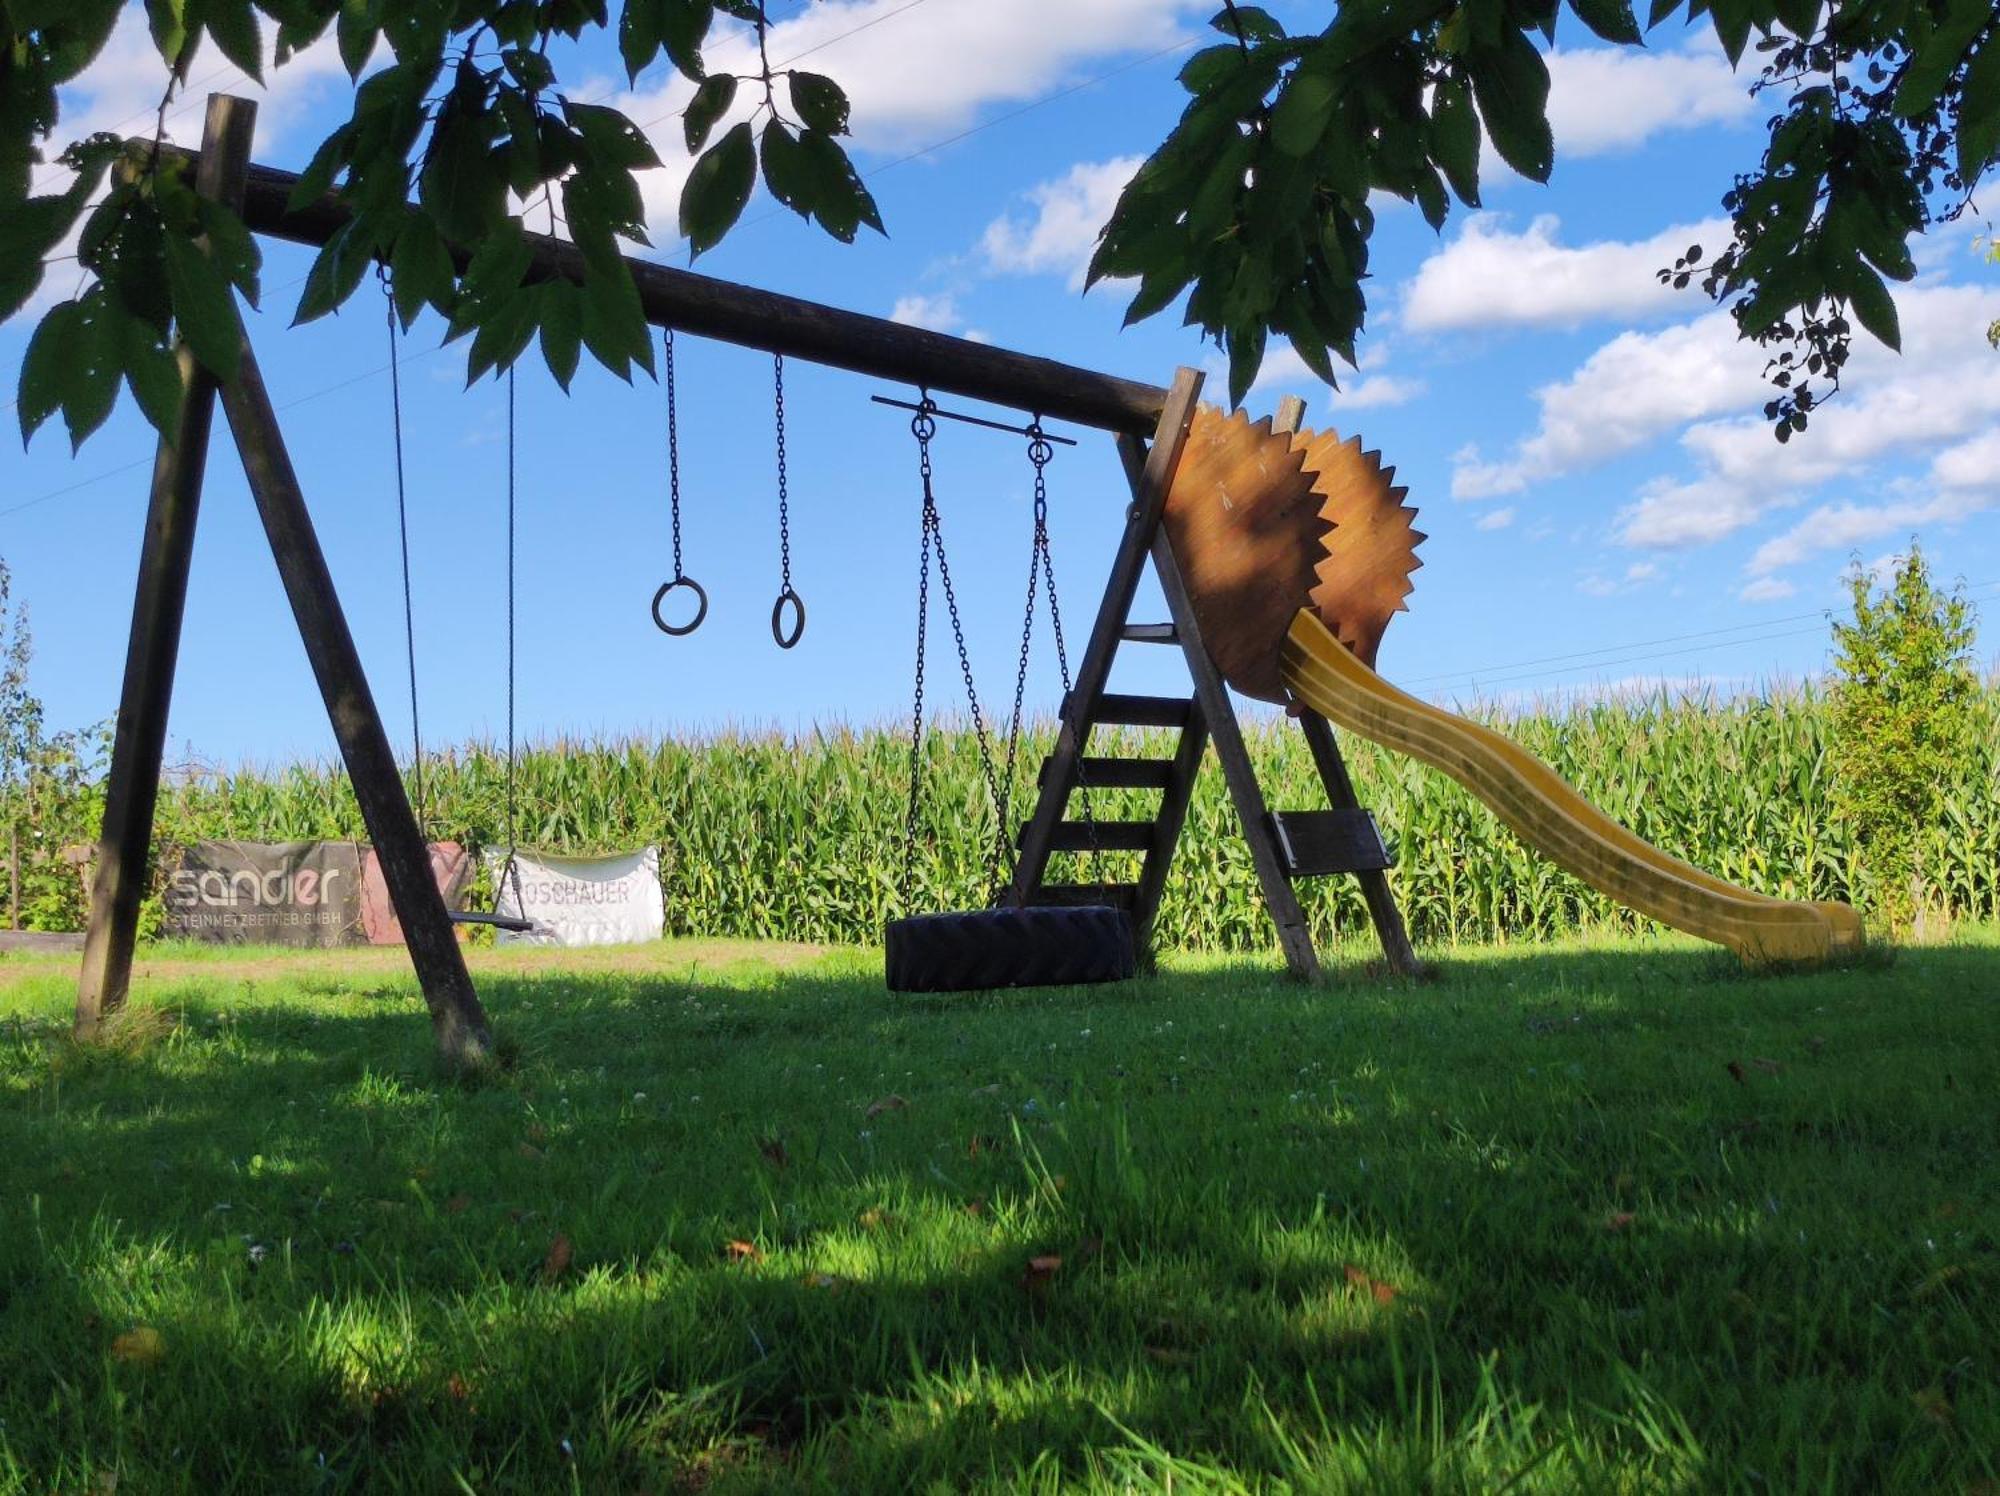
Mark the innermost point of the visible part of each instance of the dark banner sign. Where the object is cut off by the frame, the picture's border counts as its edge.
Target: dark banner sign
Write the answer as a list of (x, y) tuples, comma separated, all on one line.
[(266, 893)]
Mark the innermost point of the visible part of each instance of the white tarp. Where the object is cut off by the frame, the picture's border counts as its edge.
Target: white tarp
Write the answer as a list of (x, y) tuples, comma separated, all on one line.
[(580, 900)]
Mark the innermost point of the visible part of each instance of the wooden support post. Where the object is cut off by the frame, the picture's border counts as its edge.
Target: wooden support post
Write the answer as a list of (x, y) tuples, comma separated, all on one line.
[(13, 875), (1237, 770), (132, 787), (1142, 520), (1339, 785), (463, 1036), (1167, 829)]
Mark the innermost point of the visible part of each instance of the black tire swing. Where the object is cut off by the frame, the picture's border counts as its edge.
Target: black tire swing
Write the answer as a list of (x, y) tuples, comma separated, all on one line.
[(1008, 946)]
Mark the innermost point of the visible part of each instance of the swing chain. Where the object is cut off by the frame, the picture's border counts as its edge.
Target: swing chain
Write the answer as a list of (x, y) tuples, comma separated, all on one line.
[(680, 581), (674, 458), (403, 532), (788, 597), (924, 427)]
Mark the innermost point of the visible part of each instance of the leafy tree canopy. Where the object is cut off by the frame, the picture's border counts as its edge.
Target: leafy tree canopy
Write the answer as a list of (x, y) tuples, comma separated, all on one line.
[(1254, 213)]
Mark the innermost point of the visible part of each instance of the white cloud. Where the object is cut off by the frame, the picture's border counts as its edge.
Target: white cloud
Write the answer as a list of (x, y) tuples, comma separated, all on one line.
[(1767, 590), (1671, 515), (1489, 276), (1375, 390), (1608, 99), (1631, 390), (1059, 234), (1495, 519), (1837, 527), (938, 313)]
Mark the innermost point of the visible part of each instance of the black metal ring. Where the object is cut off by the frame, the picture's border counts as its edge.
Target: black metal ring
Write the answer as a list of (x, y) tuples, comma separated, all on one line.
[(798, 607), (700, 606)]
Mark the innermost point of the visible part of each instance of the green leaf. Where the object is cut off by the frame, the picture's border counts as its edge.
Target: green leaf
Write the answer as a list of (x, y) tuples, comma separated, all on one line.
[(820, 102), (1611, 19), (1211, 67), (317, 179), (614, 324), (167, 20), (503, 333), (204, 309), (1157, 291), (336, 271), (639, 36), (683, 28), (1874, 308), (710, 102), (787, 169), (562, 328), (45, 367), (231, 247), (1455, 138), (1511, 83), (1979, 113), (718, 188), (613, 139), (420, 270), (1938, 54), (153, 374), (1254, 23), (463, 184), (355, 33), (1661, 9), (1431, 198), (1246, 357), (841, 202), (94, 366), (233, 24), (1302, 112)]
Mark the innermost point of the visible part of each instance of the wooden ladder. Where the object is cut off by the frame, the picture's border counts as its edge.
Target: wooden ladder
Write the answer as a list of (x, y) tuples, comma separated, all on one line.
[(1283, 844)]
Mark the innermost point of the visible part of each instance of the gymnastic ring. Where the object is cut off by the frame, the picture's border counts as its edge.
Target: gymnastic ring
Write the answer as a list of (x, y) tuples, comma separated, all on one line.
[(700, 606), (798, 606)]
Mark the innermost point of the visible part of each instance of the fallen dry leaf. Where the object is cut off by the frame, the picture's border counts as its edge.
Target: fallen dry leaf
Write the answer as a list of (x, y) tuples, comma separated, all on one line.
[(1769, 1067), (529, 1150), (992, 1090), (833, 1282), (140, 1346), (874, 1218), (1619, 1220), (976, 1206), (742, 1251), (1035, 1278), (982, 1142), (457, 1204), (1166, 1356), (1086, 1249), (1736, 1073), (537, 1133), (457, 1388), (890, 1103), (557, 1262), (1815, 1044), (1375, 1288), (773, 1150), (1932, 1402)]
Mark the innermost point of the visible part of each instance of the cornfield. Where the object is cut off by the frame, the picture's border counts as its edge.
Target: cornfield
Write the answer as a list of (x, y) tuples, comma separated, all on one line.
[(802, 838)]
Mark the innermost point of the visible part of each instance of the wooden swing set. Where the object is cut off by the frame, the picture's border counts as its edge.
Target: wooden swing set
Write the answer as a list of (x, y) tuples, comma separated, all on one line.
[(1152, 427)]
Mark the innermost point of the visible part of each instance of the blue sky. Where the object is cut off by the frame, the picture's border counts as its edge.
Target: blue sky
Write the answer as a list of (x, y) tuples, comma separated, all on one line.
[(1604, 504)]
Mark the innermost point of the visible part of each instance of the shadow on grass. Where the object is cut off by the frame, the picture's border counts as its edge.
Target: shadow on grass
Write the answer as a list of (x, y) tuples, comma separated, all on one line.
[(1628, 1213)]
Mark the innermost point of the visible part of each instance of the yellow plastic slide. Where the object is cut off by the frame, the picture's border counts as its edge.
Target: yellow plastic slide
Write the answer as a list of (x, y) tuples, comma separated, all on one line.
[(1552, 818)]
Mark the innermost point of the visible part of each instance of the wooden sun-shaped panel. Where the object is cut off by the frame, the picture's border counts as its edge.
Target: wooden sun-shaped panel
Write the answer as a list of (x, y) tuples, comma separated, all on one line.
[(1245, 526), (1370, 551)]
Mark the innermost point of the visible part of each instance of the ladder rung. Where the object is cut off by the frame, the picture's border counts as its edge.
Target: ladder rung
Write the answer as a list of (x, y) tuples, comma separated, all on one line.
[(1098, 836), (1316, 842), (1120, 773), (1150, 633), (1139, 711), (1116, 895)]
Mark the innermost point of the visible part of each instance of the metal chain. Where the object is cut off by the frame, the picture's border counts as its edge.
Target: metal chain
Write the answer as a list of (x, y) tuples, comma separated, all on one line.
[(924, 427), (403, 531), (784, 492), (674, 458), (1040, 450), (511, 527)]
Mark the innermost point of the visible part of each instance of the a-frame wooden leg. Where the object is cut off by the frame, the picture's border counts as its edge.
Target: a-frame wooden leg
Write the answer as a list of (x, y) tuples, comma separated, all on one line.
[(1339, 786), (1237, 770), (1375, 890), (1149, 499), (131, 790), (457, 1019), (1167, 828)]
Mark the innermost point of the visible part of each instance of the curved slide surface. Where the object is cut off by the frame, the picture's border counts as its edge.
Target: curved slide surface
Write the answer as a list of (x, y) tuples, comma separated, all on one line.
[(1553, 818)]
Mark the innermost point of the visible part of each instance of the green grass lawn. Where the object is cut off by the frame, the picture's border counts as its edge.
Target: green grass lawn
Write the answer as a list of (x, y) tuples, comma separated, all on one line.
[(1583, 1218)]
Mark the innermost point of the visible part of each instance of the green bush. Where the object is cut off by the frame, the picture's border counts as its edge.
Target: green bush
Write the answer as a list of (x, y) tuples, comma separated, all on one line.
[(1904, 721)]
